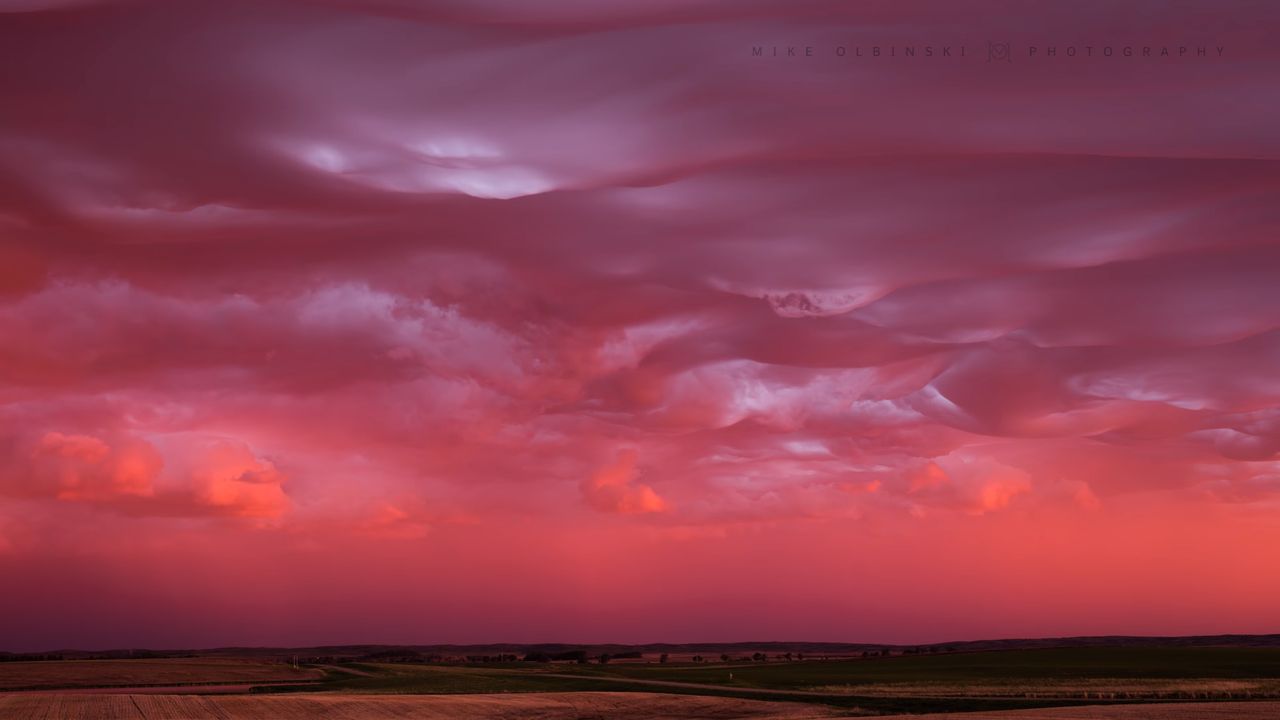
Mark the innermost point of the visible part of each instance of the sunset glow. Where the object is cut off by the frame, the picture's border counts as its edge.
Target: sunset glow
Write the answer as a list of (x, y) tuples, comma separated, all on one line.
[(339, 321)]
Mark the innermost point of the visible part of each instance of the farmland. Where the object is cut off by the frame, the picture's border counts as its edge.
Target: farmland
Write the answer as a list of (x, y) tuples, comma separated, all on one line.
[(1032, 684), (1098, 673), (542, 706), (129, 673), (971, 681), (1180, 711)]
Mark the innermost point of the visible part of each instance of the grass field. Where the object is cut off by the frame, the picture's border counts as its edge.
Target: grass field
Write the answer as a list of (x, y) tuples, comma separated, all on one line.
[(1099, 673), (446, 680), (128, 673), (985, 682), (1061, 663), (1179, 711), (542, 706)]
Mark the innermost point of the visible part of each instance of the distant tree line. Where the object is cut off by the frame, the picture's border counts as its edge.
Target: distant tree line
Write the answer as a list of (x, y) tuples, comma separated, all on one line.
[(413, 656), (314, 659), (886, 652), (579, 656), (108, 655), (30, 657)]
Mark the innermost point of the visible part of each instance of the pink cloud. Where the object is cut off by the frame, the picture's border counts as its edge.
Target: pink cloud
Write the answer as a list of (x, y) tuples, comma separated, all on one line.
[(613, 488), (185, 476), (391, 521), (290, 278), (228, 476), (82, 467)]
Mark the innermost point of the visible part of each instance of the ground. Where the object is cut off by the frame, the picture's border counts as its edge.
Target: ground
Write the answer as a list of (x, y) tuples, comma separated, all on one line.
[(526, 706), (1112, 683), (166, 671), (537, 706)]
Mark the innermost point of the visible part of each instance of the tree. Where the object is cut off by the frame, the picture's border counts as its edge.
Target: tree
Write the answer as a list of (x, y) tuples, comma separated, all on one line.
[(605, 658), (662, 658), (724, 657)]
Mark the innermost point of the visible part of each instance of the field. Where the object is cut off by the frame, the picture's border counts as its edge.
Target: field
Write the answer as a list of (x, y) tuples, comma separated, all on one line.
[(1085, 673), (1027, 684), (995, 680), (1180, 711), (541, 706), (131, 673)]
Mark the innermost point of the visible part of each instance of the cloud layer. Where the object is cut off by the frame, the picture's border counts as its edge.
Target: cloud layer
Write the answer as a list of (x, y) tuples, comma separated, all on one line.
[(590, 293)]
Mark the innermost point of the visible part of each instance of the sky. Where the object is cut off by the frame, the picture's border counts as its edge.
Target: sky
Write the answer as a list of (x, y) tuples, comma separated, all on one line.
[(379, 321)]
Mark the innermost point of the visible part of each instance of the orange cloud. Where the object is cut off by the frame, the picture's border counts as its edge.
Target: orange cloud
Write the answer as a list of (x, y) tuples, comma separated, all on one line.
[(613, 488), (83, 467), (1084, 496), (228, 476), (171, 475), (998, 492), (865, 486), (930, 477), (966, 482), (395, 522)]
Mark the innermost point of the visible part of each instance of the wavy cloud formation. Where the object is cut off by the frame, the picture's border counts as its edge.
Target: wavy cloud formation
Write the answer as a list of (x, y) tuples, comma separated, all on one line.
[(279, 276)]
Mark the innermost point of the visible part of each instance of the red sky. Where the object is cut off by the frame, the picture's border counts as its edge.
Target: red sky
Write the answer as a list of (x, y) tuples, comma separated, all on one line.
[(331, 321)]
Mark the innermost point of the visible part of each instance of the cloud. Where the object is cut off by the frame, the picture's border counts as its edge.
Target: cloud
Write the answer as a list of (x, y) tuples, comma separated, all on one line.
[(167, 476), (228, 477), (613, 488), (677, 283), (84, 468), (343, 271), (392, 521), (968, 482), (1084, 496)]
